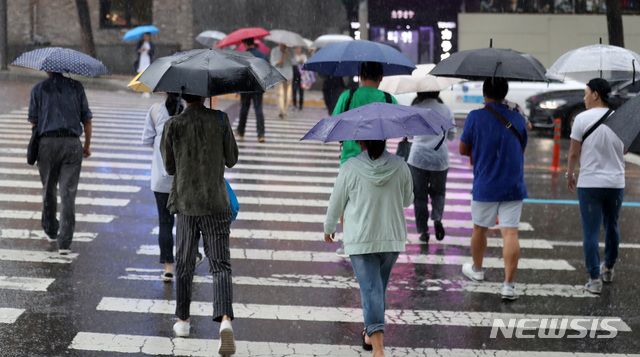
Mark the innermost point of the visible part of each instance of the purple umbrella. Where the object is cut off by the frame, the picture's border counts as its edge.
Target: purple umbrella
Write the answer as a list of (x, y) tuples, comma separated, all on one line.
[(379, 121)]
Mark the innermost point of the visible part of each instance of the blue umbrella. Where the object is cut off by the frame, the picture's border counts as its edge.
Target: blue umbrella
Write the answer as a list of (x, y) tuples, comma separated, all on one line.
[(62, 60), (379, 121), (344, 59), (137, 32)]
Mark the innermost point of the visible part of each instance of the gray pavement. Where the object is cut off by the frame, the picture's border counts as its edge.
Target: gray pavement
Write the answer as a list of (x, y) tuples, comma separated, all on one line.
[(293, 296)]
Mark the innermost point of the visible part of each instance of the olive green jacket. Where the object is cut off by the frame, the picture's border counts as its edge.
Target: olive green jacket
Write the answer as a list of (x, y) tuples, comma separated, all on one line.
[(196, 146)]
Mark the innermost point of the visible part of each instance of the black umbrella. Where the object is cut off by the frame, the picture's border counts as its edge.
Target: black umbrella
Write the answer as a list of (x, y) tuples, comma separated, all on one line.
[(490, 62), (210, 72), (625, 122)]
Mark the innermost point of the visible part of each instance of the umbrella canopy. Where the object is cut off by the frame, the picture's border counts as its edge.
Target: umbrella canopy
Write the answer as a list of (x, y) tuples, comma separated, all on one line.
[(137, 32), (210, 72), (344, 59), (288, 38), (62, 60), (210, 38), (612, 63), (625, 122), (261, 47), (379, 121), (137, 86), (328, 39), (491, 62), (236, 37), (419, 81)]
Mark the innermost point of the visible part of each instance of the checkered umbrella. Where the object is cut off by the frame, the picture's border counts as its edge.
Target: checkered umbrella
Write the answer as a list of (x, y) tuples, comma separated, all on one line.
[(62, 60)]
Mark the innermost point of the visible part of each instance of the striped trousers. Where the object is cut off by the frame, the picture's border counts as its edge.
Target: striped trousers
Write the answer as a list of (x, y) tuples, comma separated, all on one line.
[(215, 231)]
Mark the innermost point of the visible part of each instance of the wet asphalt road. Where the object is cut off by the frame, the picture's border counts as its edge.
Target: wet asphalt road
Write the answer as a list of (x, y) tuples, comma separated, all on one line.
[(292, 299)]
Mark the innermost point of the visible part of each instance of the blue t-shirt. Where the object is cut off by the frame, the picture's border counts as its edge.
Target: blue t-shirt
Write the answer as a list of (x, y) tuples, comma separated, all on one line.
[(498, 159)]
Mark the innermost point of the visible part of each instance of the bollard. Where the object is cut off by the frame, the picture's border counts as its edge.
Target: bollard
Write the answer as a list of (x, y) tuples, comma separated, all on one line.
[(557, 131)]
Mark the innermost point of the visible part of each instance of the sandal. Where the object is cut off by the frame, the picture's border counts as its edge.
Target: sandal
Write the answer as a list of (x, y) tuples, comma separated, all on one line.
[(366, 346)]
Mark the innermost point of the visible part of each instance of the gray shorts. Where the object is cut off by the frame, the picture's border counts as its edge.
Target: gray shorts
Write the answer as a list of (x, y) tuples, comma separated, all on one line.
[(484, 214)]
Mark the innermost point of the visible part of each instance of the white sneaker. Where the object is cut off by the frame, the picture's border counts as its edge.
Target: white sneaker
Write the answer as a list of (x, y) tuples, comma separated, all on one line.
[(181, 328), (227, 345), (199, 259), (49, 239), (467, 270), (509, 293), (64, 251)]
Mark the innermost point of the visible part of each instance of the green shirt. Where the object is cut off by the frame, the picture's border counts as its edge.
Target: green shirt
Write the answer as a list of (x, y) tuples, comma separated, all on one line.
[(362, 96), (196, 146)]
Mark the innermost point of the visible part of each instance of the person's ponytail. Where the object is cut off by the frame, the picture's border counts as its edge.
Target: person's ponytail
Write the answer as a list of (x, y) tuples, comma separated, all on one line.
[(375, 148), (173, 103)]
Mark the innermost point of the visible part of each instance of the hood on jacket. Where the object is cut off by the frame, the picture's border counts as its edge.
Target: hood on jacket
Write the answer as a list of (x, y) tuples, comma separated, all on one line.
[(378, 171)]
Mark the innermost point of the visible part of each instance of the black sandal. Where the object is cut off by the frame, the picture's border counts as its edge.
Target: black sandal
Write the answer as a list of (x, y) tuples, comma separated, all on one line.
[(366, 346)]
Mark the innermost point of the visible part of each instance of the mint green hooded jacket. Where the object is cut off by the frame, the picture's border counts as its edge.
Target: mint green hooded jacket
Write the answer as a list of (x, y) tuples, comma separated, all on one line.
[(372, 194)]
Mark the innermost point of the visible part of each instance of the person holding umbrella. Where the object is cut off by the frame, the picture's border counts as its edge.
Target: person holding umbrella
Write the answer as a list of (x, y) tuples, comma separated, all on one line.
[(429, 165), (282, 59), (256, 97), (372, 190), (601, 182), (495, 138), (58, 111), (196, 146), (145, 49)]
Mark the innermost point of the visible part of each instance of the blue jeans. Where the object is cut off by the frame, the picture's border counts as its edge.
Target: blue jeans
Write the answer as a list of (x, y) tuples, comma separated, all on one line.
[(373, 272), (600, 205)]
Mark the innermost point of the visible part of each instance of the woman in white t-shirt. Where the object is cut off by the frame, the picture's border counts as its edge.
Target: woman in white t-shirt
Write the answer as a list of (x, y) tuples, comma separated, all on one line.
[(601, 183)]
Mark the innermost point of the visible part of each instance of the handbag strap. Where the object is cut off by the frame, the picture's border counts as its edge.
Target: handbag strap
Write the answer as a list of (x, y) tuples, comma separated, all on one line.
[(154, 113), (596, 125), (506, 123)]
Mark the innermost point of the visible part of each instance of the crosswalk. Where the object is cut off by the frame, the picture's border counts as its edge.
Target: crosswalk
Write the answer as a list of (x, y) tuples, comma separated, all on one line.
[(293, 295)]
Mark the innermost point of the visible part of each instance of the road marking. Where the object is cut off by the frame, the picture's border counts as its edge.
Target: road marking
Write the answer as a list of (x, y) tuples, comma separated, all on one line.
[(340, 282), (29, 234), (15, 255), (573, 202), (91, 201), (404, 258), (36, 215), (83, 174), (93, 146), (410, 317), (87, 163), (95, 154), (319, 218), (81, 186), (152, 345), (9, 316), (24, 283)]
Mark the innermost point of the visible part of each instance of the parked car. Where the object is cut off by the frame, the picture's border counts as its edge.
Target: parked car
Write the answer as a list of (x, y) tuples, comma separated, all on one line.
[(544, 108), (464, 97)]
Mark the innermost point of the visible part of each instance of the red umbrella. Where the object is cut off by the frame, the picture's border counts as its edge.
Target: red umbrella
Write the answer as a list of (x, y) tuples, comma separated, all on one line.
[(261, 47), (236, 37)]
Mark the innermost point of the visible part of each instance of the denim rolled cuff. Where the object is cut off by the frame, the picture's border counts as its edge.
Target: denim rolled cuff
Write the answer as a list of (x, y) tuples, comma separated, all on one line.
[(375, 328)]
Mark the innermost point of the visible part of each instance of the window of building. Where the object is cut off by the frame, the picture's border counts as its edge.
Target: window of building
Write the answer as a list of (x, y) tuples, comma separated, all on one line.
[(125, 13)]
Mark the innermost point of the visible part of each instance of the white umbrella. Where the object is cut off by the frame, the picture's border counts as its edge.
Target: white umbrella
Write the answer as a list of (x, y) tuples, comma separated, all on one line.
[(612, 63), (288, 38), (329, 39), (210, 38), (419, 81)]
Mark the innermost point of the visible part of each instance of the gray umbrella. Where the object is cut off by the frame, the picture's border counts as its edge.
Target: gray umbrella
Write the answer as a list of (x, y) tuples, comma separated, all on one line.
[(491, 62), (625, 122), (62, 60), (210, 72)]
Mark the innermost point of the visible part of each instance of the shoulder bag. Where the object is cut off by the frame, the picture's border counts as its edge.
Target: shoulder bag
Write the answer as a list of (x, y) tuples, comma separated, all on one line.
[(233, 199)]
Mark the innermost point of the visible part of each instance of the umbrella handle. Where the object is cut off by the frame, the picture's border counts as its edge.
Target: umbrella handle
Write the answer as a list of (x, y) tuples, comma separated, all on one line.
[(633, 64)]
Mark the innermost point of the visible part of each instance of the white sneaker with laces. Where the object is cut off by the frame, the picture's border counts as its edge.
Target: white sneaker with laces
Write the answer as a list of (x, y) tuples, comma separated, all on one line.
[(467, 270), (509, 293), (227, 345), (181, 328)]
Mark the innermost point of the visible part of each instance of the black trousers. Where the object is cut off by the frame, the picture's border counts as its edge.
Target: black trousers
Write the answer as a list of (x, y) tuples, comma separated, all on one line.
[(245, 103), (165, 235)]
